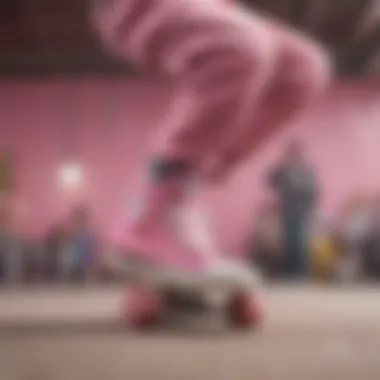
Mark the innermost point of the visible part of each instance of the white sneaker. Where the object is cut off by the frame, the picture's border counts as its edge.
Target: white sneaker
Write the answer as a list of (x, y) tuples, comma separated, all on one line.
[(233, 269)]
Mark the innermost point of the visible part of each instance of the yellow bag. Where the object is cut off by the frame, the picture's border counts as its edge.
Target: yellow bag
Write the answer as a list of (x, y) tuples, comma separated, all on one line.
[(322, 257)]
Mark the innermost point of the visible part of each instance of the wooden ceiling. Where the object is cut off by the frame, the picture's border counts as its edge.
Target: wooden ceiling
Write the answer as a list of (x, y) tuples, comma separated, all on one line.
[(349, 28), (53, 37)]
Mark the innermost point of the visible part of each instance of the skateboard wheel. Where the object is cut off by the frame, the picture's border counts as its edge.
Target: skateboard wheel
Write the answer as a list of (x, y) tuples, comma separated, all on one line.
[(243, 311), (141, 308)]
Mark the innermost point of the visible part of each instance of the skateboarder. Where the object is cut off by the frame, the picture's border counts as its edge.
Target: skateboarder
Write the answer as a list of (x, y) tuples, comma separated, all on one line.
[(240, 78)]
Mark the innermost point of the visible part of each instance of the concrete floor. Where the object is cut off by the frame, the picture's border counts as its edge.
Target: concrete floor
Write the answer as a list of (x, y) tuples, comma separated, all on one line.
[(309, 333)]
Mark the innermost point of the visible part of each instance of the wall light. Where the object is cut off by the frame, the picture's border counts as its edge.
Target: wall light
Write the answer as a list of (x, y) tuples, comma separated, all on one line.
[(70, 175)]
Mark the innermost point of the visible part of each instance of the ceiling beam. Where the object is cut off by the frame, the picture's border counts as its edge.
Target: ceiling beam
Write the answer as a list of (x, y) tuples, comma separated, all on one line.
[(301, 12), (361, 53), (49, 63)]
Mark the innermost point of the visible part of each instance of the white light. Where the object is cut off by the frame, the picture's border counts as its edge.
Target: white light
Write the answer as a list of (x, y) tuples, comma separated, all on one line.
[(70, 175)]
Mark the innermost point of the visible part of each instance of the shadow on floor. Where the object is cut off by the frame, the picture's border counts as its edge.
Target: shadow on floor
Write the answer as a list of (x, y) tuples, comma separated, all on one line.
[(195, 329)]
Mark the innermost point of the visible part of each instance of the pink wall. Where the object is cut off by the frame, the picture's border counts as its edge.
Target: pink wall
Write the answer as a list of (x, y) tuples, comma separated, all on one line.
[(114, 121)]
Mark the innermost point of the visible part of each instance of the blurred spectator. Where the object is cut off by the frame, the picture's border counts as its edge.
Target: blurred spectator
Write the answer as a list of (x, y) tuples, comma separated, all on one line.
[(78, 252), (355, 221), (34, 261), (53, 246), (370, 246), (354, 224), (265, 249), (11, 249), (296, 188)]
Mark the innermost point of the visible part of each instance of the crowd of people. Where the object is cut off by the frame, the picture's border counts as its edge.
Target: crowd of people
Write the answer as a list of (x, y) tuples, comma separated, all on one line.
[(346, 249), (289, 238), (69, 252)]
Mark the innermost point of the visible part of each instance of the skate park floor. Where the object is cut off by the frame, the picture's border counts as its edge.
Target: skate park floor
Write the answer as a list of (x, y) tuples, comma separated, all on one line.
[(310, 332)]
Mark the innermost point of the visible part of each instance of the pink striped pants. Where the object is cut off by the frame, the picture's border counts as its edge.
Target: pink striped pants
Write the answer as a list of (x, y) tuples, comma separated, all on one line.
[(240, 77)]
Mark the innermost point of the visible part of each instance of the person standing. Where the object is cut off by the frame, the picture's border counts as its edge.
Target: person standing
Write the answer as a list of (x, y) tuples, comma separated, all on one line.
[(79, 248), (295, 184)]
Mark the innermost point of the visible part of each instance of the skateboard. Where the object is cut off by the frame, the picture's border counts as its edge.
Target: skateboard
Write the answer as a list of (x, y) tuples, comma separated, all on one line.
[(156, 292)]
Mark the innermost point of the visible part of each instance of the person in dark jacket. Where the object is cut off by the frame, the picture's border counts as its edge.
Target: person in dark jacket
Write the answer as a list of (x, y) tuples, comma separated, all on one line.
[(295, 184), (370, 246)]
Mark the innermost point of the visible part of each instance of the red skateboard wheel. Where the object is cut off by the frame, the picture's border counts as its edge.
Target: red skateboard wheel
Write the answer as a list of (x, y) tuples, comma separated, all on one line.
[(141, 308), (243, 311)]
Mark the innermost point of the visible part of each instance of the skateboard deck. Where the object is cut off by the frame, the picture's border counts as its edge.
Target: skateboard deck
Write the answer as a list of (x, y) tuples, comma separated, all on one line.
[(182, 292)]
